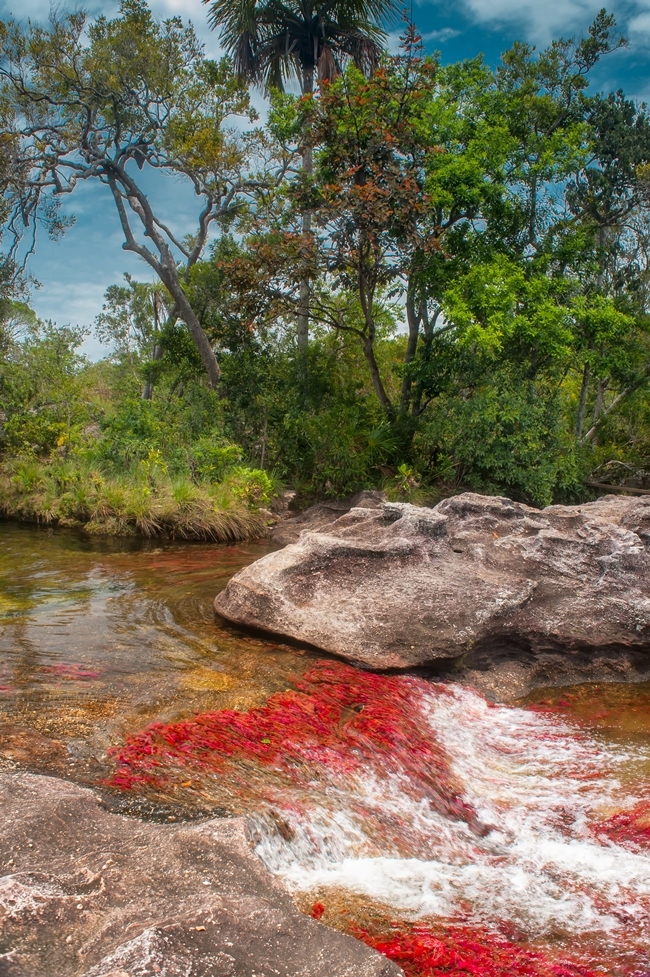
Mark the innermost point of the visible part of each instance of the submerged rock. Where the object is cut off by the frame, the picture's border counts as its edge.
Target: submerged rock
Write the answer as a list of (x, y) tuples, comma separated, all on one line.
[(86, 893), (504, 596)]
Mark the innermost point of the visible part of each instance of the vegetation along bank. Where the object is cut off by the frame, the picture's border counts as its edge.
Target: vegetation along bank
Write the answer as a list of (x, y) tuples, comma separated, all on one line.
[(413, 275)]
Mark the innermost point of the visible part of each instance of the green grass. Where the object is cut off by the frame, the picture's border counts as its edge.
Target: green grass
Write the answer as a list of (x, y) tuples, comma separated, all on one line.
[(75, 494)]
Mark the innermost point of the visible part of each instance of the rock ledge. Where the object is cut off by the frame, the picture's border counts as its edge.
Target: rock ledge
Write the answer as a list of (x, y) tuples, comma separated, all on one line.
[(85, 893)]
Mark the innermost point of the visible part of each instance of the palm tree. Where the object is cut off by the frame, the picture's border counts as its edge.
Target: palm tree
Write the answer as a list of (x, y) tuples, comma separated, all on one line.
[(272, 42)]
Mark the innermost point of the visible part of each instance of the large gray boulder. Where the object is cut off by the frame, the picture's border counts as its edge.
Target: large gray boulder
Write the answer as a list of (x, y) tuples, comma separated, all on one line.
[(505, 596), (86, 893)]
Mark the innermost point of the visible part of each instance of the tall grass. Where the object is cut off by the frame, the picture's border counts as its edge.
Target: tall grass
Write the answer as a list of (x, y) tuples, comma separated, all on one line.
[(71, 493)]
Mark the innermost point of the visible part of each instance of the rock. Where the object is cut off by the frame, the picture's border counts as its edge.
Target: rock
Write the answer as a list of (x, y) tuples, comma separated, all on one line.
[(501, 595), (322, 514), (86, 893)]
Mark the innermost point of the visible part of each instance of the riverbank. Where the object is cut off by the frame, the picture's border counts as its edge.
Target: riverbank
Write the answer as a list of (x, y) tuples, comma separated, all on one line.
[(149, 503)]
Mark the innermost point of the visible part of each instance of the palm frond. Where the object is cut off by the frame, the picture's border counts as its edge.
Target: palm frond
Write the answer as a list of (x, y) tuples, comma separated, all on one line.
[(363, 50), (273, 41), (245, 60)]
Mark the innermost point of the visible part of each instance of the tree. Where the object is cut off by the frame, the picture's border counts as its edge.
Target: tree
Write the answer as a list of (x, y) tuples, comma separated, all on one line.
[(131, 321), (41, 400), (545, 106), (272, 41), (523, 133), (102, 101), (402, 160), (608, 200)]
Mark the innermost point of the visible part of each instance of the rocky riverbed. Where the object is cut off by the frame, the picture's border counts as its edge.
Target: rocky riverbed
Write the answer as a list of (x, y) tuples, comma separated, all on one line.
[(87, 893)]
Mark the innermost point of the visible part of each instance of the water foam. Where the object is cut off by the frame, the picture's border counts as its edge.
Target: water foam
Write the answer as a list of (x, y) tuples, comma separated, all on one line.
[(537, 787)]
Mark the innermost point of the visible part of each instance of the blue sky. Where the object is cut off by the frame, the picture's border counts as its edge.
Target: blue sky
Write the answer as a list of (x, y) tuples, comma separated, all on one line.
[(75, 271)]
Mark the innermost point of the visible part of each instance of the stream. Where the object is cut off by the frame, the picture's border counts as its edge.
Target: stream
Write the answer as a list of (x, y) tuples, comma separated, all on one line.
[(456, 836)]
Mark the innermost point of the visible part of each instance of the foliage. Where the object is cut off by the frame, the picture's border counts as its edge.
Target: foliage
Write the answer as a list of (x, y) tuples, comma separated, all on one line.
[(41, 397), (469, 245), (91, 101), (74, 493), (273, 42)]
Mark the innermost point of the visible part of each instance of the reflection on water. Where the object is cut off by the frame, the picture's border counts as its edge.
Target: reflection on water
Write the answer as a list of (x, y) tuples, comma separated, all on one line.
[(98, 637)]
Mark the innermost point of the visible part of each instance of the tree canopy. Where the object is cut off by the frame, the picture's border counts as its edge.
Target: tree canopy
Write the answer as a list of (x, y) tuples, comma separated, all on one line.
[(469, 245), (105, 100)]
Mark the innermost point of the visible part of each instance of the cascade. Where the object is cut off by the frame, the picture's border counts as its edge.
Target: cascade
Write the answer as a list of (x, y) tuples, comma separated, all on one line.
[(489, 839)]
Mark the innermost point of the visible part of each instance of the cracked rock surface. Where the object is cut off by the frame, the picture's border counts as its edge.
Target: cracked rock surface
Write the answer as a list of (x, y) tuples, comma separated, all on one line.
[(493, 592), (86, 893)]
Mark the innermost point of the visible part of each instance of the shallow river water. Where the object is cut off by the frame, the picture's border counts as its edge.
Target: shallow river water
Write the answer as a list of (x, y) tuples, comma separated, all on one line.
[(456, 836)]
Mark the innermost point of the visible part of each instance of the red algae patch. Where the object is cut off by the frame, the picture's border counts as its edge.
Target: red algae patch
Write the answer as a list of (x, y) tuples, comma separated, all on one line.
[(459, 951), (72, 672), (487, 832), (454, 949), (628, 827), (336, 722)]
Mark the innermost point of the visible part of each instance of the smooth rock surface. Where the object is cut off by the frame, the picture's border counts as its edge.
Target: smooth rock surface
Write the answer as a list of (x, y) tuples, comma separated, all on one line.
[(501, 595), (86, 893), (323, 514)]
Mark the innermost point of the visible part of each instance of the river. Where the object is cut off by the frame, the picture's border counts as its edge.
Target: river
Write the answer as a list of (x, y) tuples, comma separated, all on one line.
[(454, 835)]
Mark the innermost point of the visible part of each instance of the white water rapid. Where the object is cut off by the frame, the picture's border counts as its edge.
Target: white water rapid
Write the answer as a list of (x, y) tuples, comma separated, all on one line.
[(539, 788)]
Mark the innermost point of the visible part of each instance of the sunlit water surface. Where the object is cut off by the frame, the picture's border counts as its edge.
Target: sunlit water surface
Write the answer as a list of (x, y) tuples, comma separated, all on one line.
[(99, 639), (99, 636)]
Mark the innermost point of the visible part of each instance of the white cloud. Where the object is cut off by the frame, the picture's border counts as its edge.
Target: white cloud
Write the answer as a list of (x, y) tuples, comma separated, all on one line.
[(446, 34), (540, 21), (193, 10), (640, 25)]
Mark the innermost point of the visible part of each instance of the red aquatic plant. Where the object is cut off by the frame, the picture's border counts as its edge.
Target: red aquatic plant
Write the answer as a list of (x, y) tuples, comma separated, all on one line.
[(628, 827), (337, 721), (72, 671), (460, 950)]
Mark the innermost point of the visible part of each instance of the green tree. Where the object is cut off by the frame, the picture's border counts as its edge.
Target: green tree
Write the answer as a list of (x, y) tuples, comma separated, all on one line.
[(132, 322), (102, 100), (608, 201), (41, 399), (401, 160), (272, 42)]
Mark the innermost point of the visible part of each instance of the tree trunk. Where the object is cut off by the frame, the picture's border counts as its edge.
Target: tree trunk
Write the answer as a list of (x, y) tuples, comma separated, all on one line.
[(377, 383), (164, 266), (582, 403), (606, 411), (265, 434), (147, 388), (189, 317), (599, 408), (532, 216), (600, 399), (302, 326), (413, 319), (429, 326)]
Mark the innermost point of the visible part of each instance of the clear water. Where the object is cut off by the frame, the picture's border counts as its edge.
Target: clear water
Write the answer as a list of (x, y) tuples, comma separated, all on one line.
[(99, 638)]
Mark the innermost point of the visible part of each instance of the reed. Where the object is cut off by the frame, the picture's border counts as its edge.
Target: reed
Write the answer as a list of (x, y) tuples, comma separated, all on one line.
[(79, 495)]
